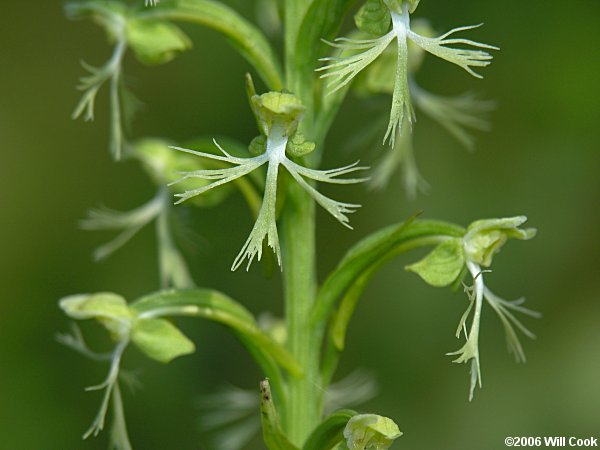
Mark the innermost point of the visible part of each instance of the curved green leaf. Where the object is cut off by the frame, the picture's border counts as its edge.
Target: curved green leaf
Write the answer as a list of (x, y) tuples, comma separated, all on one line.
[(372, 249), (348, 279), (215, 306), (243, 35), (330, 432)]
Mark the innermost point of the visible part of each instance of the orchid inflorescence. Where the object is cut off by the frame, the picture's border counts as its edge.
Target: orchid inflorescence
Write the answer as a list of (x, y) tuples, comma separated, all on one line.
[(299, 354)]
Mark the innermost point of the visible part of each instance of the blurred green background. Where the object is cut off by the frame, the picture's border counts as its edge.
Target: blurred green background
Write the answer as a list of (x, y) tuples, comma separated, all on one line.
[(541, 159)]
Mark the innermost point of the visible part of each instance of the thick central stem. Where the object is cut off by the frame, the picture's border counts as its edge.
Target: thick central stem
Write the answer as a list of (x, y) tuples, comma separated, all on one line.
[(301, 413)]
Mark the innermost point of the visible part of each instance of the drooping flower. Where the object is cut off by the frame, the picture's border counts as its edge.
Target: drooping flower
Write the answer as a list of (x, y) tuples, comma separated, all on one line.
[(484, 238), (375, 17), (444, 266), (278, 115)]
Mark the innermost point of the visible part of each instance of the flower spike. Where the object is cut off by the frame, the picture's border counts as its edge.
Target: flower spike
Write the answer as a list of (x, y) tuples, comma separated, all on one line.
[(278, 116), (357, 54)]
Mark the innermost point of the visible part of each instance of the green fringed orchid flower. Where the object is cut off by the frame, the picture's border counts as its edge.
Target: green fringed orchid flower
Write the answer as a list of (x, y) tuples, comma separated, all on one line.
[(377, 15), (443, 267), (278, 115)]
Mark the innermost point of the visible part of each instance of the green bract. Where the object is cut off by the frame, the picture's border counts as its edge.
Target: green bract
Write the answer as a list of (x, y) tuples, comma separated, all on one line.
[(485, 238), (371, 432)]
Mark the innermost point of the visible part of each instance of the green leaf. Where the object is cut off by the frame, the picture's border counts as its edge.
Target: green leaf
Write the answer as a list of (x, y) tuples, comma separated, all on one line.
[(330, 432), (273, 435), (244, 36), (371, 432), (160, 340), (154, 41), (341, 318), (443, 265), (215, 306), (364, 259), (380, 246)]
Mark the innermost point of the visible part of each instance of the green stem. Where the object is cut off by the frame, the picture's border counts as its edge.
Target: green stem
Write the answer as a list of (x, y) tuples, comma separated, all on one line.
[(301, 412)]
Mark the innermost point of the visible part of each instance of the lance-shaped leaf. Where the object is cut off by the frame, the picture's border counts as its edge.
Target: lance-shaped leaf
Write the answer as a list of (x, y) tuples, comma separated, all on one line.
[(345, 284), (244, 36), (217, 307), (378, 248)]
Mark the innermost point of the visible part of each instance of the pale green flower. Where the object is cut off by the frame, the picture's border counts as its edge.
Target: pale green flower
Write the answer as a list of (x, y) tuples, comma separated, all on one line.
[(343, 69), (278, 115), (483, 239)]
